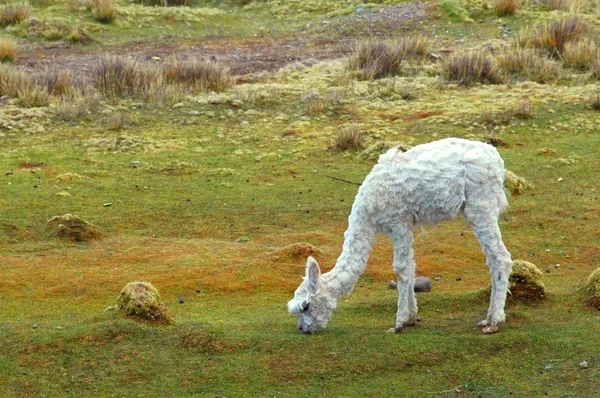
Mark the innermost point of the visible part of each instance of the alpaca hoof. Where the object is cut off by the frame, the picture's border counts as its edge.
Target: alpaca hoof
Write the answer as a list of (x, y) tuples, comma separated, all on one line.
[(483, 323), (490, 329), (396, 330)]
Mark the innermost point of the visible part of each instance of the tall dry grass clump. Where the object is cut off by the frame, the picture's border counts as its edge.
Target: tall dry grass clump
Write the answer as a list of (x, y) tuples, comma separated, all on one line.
[(595, 69), (33, 96), (197, 73), (13, 79), (14, 13), (114, 76), (470, 68), (580, 54), (166, 3), (349, 138), (553, 36), (57, 81), (378, 58), (152, 86), (528, 64), (594, 101), (8, 50), (506, 7), (104, 11)]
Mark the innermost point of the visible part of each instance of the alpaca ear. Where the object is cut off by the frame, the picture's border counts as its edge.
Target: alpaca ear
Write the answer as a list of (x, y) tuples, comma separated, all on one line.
[(313, 273)]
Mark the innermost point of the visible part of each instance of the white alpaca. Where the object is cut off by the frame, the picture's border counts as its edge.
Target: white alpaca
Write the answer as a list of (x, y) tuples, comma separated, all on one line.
[(425, 185)]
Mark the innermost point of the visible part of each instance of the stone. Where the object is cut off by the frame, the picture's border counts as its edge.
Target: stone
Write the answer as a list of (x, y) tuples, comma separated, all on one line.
[(583, 364), (141, 301), (75, 228), (422, 284)]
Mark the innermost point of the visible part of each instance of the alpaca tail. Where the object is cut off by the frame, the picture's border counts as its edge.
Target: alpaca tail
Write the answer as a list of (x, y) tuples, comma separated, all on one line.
[(487, 168)]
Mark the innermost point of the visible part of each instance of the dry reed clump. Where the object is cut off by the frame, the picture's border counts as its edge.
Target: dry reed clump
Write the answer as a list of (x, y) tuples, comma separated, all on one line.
[(592, 289), (117, 121), (378, 58), (506, 7), (205, 75), (470, 68), (141, 301), (75, 228), (14, 13), (77, 105), (527, 64), (8, 50), (115, 76), (515, 184), (491, 118), (553, 36), (13, 78), (350, 138), (525, 282), (104, 11), (581, 54), (58, 82)]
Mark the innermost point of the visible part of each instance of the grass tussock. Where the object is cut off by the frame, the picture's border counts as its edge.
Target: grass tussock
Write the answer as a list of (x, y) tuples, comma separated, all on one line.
[(580, 54), (470, 68), (205, 75), (166, 3), (506, 7), (33, 96), (8, 50), (529, 65), (378, 58), (523, 110), (13, 79), (117, 121), (57, 81), (594, 101), (350, 138), (115, 76), (104, 11), (553, 36), (595, 69), (14, 13)]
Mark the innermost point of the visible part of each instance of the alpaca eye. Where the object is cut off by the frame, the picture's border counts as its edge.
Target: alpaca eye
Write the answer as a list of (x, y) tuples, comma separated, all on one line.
[(305, 307)]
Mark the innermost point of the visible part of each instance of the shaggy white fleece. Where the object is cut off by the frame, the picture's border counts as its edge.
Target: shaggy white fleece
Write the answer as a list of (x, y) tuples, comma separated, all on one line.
[(425, 185)]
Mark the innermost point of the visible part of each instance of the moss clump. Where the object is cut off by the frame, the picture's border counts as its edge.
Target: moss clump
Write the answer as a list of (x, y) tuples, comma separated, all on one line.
[(75, 228), (525, 281), (296, 251), (516, 185), (592, 289), (141, 301)]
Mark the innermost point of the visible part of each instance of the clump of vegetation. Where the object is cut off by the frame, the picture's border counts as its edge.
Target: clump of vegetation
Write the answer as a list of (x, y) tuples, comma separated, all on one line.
[(206, 75), (529, 65), (14, 13), (117, 121), (314, 103), (553, 36), (525, 281), (515, 184), (57, 81), (470, 68), (505, 7), (141, 301), (104, 11), (580, 54), (523, 110), (490, 118), (407, 92), (296, 252), (13, 79), (594, 101), (595, 69), (592, 289), (74, 228), (166, 3), (349, 138), (33, 96), (115, 76), (378, 58), (8, 50)]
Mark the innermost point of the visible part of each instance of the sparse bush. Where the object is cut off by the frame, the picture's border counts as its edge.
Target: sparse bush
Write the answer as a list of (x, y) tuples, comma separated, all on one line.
[(166, 3), (114, 76), (490, 118), (104, 11), (55, 32), (14, 13), (594, 101), (580, 54), (57, 81), (153, 88), (314, 103), (553, 36), (407, 93), (349, 138), (8, 49), (529, 65), (377, 58), (117, 121), (33, 96), (523, 110), (506, 7), (13, 79), (469, 68), (201, 74)]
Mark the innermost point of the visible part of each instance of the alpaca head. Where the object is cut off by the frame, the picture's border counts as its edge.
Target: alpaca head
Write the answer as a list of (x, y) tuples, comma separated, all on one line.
[(312, 305)]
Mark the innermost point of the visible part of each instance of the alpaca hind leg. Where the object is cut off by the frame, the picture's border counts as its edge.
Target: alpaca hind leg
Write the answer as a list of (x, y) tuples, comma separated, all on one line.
[(404, 268), (499, 262)]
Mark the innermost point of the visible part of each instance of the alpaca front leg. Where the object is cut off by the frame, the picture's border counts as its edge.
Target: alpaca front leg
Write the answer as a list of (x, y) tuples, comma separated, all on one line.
[(404, 267)]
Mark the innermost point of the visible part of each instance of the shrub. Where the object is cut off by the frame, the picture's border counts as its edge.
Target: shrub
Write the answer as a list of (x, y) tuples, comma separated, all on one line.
[(153, 87), (114, 76), (201, 74), (8, 50), (469, 68), (505, 7), (14, 13), (523, 110), (104, 11), (377, 58), (580, 54), (529, 65), (349, 138)]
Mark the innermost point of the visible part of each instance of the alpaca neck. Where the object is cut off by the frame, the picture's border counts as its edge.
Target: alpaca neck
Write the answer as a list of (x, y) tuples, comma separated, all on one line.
[(358, 241)]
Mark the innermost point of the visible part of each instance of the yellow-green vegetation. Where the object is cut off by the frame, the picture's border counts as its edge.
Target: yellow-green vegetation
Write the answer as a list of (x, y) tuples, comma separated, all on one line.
[(141, 301), (8, 50), (515, 184), (525, 281), (13, 13), (72, 227), (506, 7), (216, 193), (349, 138), (470, 68), (592, 289)]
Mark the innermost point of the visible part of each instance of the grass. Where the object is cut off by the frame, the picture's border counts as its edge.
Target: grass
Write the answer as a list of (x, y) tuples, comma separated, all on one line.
[(506, 7), (349, 138), (8, 50), (104, 11), (204, 197), (469, 68), (13, 13), (527, 64)]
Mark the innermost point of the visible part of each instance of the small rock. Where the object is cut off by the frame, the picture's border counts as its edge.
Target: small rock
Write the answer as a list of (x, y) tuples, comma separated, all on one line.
[(393, 285), (437, 278), (548, 366), (107, 204), (459, 279), (422, 284), (35, 326), (181, 300), (583, 364)]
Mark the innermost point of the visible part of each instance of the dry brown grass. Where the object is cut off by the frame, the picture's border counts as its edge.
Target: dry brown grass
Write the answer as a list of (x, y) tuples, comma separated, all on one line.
[(314, 103), (117, 121), (594, 101), (104, 11), (57, 81), (349, 138), (8, 50), (14, 13), (377, 58), (166, 3), (33, 96), (470, 68), (595, 69), (506, 7), (529, 65), (580, 54), (114, 76), (523, 110), (553, 36), (13, 79), (205, 75)]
